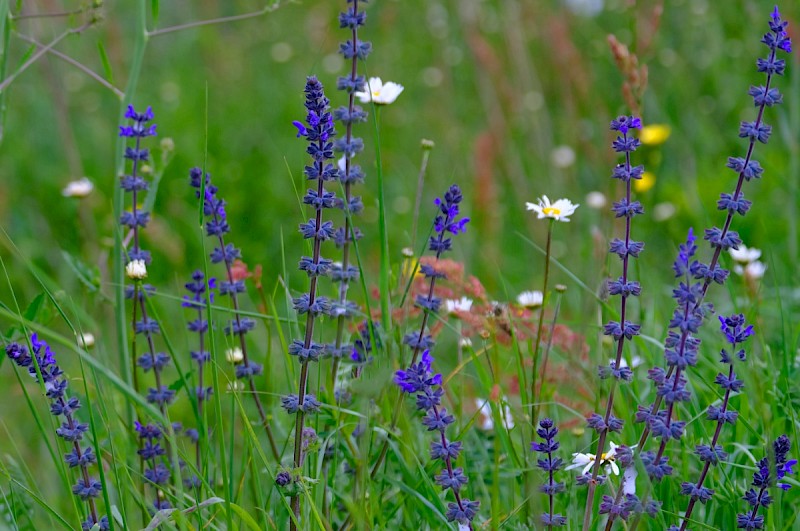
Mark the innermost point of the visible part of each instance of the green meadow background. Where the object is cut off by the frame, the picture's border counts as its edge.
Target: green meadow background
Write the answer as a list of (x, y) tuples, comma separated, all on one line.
[(505, 89)]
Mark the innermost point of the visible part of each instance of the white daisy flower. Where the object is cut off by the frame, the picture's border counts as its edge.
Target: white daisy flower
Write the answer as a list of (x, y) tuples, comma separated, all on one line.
[(485, 418), (753, 270), (596, 200), (234, 355), (380, 93), (530, 299), (635, 362), (136, 270), (458, 305), (559, 210), (85, 340), (586, 461), (80, 188), (745, 255), (235, 386)]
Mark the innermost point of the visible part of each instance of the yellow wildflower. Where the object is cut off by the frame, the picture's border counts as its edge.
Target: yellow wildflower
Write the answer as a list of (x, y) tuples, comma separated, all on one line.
[(655, 134), (647, 181)]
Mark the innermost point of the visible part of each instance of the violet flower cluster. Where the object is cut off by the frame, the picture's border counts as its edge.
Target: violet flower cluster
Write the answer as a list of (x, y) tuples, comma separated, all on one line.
[(736, 333), (550, 465), (153, 454), (420, 380), (201, 290), (217, 227), (138, 259), (446, 224), (623, 329), (138, 129), (319, 132), (348, 146), (680, 352), (769, 474), (756, 131), (44, 368)]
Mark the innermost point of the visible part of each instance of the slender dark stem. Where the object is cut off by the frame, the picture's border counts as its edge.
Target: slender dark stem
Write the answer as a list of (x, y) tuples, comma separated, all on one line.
[(534, 370)]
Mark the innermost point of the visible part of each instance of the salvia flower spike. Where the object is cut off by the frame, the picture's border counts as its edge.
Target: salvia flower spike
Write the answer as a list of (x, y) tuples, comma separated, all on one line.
[(447, 223), (319, 132), (769, 472), (426, 386), (226, 253), (550, 465), (160, 395), (41, 364), (620, 331), (201, 290), (349, 174), (736, 332)]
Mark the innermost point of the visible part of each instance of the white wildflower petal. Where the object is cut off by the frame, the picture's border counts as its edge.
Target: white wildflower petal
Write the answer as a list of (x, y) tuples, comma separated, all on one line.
[(234, 355), (530, 299), (745, 255), (136, 270), (596, 200), (629, 486), (80, 188), (579, 460), (755, 270), (380, 93), (453, 306), (86, 340), (559, 210)]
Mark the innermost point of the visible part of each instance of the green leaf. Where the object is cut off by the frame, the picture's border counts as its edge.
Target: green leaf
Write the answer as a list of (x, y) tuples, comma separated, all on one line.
[(89, 276), (154, 8), (106, 63), (33, 309)]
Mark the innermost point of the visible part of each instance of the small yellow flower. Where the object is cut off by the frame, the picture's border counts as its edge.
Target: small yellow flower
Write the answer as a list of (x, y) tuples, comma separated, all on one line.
[(644, 184), (655, 134)]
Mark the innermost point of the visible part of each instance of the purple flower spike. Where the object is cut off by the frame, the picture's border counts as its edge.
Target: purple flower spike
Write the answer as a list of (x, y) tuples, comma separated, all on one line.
[(71, 430)]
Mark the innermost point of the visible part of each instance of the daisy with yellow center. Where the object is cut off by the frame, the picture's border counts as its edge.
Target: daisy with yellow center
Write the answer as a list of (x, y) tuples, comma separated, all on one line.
[(380, 93), (559, 210), (607, 459)]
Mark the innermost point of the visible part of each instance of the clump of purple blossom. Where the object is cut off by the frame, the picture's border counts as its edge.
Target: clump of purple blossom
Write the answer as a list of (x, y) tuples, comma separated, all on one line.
[(225, 253), (770, 470), (736, 333), (550, 465), (319, 131), (44, 368), (420, 380), (200, 289), (348, 146), (621, 330)]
